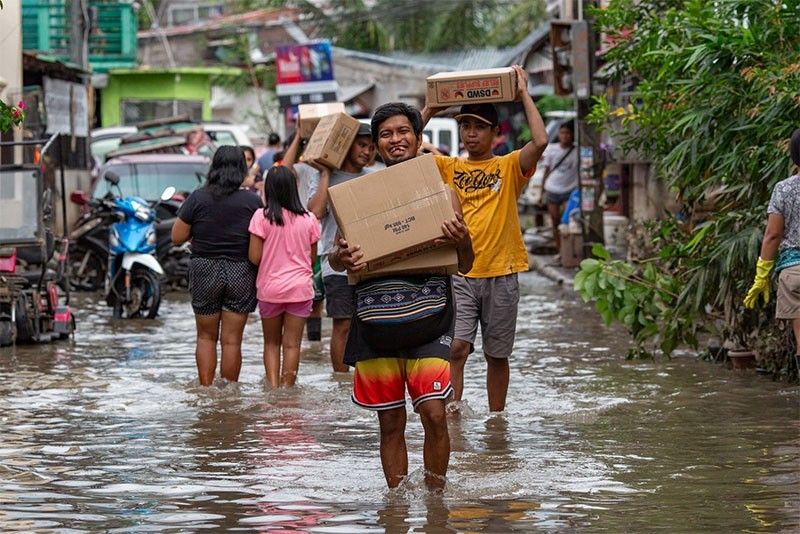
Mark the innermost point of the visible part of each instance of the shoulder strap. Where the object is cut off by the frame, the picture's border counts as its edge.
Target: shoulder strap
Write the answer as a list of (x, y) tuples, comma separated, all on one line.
[(565, 156)]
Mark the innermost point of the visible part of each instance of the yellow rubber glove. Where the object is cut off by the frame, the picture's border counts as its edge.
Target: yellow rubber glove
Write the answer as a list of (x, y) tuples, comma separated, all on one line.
[(760, 284)]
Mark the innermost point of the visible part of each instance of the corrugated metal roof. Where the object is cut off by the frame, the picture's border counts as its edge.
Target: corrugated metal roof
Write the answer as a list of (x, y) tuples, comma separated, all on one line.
[(468, 59)]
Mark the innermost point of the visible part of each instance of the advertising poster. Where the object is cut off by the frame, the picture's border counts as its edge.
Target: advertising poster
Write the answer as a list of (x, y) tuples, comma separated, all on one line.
[(305, 74)]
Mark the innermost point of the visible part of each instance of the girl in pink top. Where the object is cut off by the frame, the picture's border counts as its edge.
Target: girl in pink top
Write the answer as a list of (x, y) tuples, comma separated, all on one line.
[(283, 243)]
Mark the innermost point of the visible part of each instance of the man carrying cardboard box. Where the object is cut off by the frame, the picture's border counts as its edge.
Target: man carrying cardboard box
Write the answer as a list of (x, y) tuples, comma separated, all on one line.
[(338, 294), (403, 325), (488, 187)]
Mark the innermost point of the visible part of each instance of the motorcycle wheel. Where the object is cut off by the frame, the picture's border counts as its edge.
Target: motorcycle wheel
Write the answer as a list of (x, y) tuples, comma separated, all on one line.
[(87, 269), (25, 330), (145, 294)]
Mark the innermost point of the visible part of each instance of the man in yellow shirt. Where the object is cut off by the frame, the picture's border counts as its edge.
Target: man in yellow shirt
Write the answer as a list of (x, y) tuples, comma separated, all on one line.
[(488, 187)]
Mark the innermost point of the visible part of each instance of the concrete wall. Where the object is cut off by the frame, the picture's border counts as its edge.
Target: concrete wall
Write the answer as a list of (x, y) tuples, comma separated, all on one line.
[(392, 83), (649, 196), (143, 85), (11, 62), (246, 109)]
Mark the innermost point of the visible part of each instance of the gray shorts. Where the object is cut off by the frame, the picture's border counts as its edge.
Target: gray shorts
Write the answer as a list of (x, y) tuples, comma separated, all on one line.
[(492, 303), (789, 293), (339, 295)]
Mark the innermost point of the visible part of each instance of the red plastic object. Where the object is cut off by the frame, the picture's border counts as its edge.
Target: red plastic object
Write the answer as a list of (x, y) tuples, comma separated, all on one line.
[(8, 264), (79, 197)]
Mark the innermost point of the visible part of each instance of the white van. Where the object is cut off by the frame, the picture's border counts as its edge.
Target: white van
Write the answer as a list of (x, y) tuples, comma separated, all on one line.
[(443, 132)]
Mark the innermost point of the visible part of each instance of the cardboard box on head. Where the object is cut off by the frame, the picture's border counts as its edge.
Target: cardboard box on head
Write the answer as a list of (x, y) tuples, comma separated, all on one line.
[(331, 140), (394, 213), (471, 87), (308, 116)]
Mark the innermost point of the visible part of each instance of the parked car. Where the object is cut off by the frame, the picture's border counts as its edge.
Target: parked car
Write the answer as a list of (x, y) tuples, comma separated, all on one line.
[(104, 140), (146, 175)]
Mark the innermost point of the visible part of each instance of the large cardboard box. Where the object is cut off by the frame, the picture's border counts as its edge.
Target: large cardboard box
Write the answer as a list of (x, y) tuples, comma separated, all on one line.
[(442, 260), (471, 87), (331, 140), (394, 213), (308, 116)]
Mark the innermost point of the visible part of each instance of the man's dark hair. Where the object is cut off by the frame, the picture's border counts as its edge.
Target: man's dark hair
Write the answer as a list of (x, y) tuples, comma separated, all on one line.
[(280, 188), (387, 111), (274, 139), (227, 171), (569, 125), (794, 147)]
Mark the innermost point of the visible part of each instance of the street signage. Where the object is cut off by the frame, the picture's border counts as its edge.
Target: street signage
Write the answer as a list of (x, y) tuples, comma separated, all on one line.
[(305, 74)]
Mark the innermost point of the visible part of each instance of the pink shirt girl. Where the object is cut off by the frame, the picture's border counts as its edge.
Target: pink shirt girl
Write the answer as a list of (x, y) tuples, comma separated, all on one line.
[(284, 273)]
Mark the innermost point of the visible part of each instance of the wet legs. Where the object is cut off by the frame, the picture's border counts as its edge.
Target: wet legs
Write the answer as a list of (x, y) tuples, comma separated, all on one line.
[(497, 377), (208, 333), (555, 217), (206, 351), (341, 329), (436, 448), (283, 332), (394, 455), (459, 351), (231, 341)]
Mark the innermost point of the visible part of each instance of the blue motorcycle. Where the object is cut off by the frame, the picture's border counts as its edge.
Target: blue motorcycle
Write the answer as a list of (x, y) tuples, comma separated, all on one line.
[(133, 277)]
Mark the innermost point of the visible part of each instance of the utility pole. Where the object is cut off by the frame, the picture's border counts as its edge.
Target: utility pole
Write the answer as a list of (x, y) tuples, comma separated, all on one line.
[(79, 34), (573, 62)]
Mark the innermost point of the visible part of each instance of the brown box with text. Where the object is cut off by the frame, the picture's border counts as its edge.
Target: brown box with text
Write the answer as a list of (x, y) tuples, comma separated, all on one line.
[(331, 140), (394, 213), (308, 116), (471, 87)]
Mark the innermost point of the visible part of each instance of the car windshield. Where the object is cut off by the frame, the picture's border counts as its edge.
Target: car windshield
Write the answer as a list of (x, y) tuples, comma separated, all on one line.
[(148, 180)]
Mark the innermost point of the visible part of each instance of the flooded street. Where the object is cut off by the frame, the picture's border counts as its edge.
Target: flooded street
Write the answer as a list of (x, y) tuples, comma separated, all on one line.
[(112, 433)]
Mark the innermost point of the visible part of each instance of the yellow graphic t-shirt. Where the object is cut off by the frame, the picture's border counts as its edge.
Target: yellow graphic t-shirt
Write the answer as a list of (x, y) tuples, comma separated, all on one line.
[(488, 191)]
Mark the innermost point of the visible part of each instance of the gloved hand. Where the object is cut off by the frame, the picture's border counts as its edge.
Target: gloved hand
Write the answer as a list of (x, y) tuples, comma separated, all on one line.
[(760, 283)]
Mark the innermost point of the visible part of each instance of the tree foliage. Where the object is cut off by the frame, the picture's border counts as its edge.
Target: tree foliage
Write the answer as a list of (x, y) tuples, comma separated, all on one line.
[(715, 103), (419, 25)]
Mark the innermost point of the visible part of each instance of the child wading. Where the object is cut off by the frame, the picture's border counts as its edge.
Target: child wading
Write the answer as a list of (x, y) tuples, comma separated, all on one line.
[(283, 243)]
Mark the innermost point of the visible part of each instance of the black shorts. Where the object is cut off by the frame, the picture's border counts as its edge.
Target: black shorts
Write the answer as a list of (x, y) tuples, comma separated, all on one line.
[(339, 297), (219, 284)]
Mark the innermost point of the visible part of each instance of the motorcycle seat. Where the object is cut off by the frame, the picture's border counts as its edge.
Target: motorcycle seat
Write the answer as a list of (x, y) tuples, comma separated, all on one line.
[(33, 276)]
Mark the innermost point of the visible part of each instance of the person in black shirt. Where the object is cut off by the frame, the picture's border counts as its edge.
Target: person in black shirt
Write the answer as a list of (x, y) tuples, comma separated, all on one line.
[(222, 281)]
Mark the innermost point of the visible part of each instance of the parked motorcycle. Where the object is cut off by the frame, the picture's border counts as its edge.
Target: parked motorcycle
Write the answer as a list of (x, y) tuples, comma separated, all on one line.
[(88, 252), (133, 274)]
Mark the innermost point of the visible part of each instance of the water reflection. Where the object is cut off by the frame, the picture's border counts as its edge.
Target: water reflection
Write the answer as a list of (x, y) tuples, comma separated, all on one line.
[(112, 433)]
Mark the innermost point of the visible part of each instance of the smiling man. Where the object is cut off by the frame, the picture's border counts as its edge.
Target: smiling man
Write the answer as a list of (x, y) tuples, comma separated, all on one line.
[(411, 349), (488, 187)]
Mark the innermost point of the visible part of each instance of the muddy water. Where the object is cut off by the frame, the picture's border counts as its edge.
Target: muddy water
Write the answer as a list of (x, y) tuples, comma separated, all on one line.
[(111, 432)]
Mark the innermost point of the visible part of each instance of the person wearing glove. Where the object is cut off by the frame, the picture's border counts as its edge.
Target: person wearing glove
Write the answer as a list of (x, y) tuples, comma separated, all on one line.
[(780, 249)]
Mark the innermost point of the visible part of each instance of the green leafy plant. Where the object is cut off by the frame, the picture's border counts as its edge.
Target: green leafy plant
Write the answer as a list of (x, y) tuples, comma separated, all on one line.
[(11, 116), (713, 103)]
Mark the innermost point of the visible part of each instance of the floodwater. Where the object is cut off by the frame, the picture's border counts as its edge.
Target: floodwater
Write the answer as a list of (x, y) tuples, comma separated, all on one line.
[(111, 433)]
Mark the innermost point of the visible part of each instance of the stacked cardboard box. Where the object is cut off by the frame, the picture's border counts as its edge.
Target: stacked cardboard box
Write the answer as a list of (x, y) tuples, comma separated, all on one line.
[(308, 116), (331, 140)]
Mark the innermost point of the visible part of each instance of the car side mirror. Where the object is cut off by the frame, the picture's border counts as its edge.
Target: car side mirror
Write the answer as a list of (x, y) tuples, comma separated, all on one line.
[(111, 177), (79, 197), (168, 193)]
